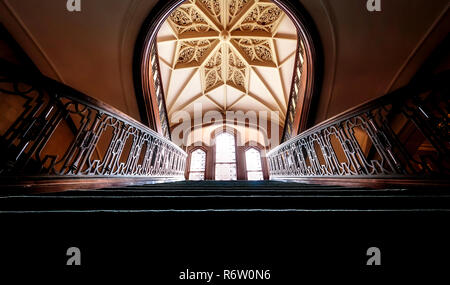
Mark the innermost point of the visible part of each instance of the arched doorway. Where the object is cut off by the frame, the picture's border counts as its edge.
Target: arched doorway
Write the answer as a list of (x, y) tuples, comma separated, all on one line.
[(147, 70)]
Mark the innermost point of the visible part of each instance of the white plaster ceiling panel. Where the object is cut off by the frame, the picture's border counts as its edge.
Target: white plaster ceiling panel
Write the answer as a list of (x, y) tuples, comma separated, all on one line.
[(250, 103), (286, 72), (285, 28), (165, 75), (167, 52), (233, 95)]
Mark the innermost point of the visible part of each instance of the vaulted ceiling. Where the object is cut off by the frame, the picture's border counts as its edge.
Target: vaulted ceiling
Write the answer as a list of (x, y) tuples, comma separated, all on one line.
[(228, 55)]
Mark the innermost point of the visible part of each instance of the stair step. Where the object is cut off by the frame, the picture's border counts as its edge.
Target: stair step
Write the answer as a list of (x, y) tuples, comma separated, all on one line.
[(228, 196), (223, 192), (184, 202)]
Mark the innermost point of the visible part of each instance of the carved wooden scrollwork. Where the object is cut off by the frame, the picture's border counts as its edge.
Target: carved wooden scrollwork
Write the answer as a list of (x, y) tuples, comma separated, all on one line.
[(256, 50), (193, 51), (213, 71), (214, 8), (237, 71), (188, 19), (235, 7), (262, 18)]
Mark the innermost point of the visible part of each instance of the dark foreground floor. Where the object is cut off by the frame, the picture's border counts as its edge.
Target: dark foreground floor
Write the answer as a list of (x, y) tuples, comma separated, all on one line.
[(319, 235)]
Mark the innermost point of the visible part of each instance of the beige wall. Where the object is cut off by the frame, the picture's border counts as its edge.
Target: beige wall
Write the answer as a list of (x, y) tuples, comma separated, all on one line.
[(91, 50), (367, 54)]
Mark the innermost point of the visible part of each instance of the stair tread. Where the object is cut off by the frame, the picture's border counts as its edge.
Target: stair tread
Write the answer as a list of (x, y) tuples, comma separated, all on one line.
[(226, 195)]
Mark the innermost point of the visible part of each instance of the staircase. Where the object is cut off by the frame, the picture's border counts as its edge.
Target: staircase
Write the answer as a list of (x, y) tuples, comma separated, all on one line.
[(199, 196)]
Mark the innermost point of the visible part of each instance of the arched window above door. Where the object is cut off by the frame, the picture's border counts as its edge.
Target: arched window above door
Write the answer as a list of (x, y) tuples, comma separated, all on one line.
[(253, 164), (225, 157)]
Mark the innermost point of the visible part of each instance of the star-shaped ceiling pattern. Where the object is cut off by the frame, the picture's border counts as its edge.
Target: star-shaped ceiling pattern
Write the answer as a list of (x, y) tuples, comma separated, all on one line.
[(227, 55)]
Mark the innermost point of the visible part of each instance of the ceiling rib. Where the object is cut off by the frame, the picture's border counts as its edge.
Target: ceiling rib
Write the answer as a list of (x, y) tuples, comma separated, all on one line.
[(235, 102), (166, 63), (241, 15), (286, 59), (266, 104), (280, 76), (185, 84), (214, 102), (204, 11), (280, 106), (285, 37), (186, 104)]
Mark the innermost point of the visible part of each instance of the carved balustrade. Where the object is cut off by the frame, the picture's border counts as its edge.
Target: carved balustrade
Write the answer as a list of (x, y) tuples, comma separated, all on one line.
[(49, 129), (402, 134)]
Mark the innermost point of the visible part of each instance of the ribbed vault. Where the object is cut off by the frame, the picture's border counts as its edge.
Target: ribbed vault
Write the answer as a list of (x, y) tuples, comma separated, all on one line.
[(236, 55)]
